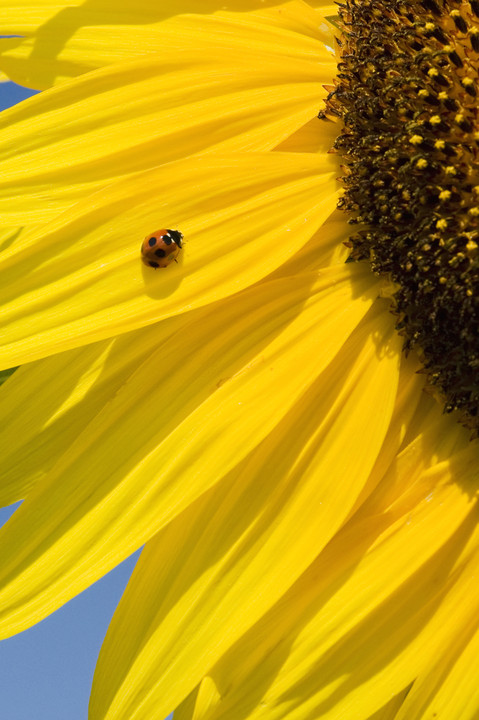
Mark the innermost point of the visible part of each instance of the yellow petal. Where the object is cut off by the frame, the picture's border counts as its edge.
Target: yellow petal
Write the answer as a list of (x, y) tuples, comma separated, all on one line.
[(63, 144), (448, 687), (58, 43), (11, 235), (195, 708), (46, 404), (311, 138), (326, 9), (407, 407), (204, 581), (198, 702), (80, 278), (360, 624), (155, 447), (325, 248)]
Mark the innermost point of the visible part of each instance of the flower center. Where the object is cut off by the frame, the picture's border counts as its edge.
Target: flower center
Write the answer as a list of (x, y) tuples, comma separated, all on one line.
[(406, 94)]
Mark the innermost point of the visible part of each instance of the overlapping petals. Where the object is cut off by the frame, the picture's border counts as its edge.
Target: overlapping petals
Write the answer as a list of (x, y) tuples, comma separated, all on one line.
[(171, 432), (372, 613), (80, 278), (241, 546), (310, 517), (61, 145), (54, 42)]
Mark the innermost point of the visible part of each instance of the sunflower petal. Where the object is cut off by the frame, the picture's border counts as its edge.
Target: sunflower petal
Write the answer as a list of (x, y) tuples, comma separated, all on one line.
[(448, 686), (241, 546), (48, 403), (365, 619), (80, 278), (198, 702), (326, 248), (63, 144), (54, 44), (156, 446)]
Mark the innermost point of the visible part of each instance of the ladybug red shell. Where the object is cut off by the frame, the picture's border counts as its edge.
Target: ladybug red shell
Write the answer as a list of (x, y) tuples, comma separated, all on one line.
[(159, 248)]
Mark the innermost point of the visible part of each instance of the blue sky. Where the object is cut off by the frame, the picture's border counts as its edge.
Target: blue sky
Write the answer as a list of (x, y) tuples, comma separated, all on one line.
[(11, 94), (46, 672)]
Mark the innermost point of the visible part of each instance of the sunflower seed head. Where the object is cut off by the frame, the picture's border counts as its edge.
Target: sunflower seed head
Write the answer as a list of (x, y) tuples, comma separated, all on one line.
[(406, 93)]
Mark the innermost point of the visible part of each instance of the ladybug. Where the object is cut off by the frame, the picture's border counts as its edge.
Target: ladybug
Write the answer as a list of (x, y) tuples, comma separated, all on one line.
[(159, 248)]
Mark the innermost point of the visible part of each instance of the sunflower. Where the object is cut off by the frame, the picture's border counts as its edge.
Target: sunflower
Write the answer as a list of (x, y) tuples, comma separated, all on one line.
[(247, 413)]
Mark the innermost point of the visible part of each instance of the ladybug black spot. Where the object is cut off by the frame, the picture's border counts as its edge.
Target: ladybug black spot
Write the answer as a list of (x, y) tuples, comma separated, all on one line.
[(153, 264), (152, 241), (167, 240)]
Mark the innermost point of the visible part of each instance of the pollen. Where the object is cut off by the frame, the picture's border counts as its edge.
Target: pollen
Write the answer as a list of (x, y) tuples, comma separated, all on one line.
[(472, 247), (407, 83)]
